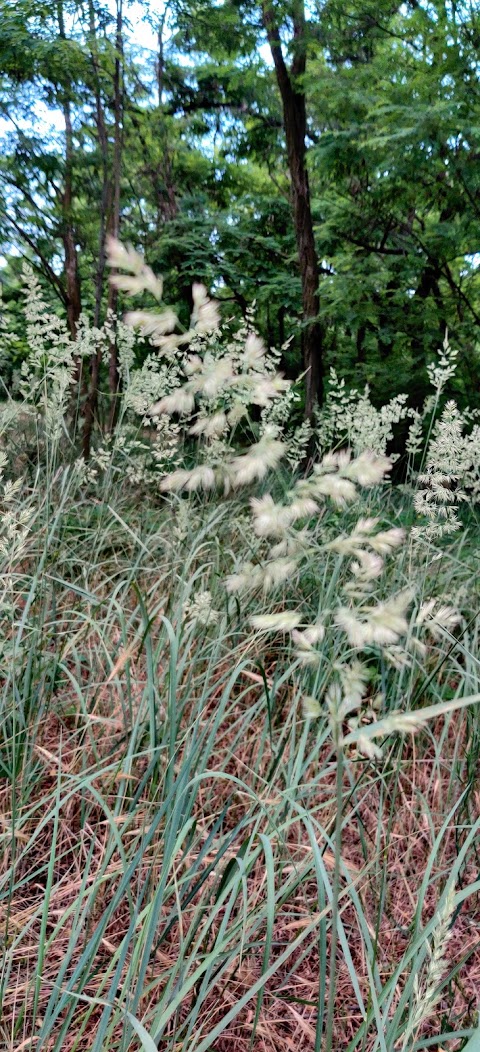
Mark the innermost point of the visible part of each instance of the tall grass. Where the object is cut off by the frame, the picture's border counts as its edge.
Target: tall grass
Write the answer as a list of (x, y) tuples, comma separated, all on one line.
[(180, 843), (216, 831)]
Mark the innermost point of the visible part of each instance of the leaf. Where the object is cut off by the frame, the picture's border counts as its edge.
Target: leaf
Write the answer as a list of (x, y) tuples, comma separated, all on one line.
[(147, 1042), (473, 1044)]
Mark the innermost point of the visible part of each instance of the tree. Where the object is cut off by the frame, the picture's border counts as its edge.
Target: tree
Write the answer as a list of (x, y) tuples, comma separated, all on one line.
[(395, 103), (41, 65), (268, 149), (292, 91), (204, 33)]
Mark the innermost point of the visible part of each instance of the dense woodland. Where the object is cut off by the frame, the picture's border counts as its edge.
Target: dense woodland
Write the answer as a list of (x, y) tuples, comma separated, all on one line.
[(319, 161)]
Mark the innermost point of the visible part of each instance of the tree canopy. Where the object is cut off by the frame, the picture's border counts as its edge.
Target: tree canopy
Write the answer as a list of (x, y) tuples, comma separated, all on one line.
[(319, 161)]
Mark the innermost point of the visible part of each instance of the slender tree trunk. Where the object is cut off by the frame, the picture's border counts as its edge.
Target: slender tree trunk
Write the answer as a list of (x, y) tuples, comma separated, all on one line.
[(102, 136), (91, 401), (72, 277), (114, 380), (295, 125), (281, 325), (421, 337), (74, 303), (360, 338), (73, 300)]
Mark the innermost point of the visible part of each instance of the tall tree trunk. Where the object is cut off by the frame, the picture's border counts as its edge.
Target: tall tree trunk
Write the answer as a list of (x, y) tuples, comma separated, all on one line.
[(114, 380), (102, 137), (72, 277), (91, 401), (295, 125)]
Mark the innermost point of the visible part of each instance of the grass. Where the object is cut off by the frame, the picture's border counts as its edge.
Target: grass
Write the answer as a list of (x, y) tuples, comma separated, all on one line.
[(181, 847)]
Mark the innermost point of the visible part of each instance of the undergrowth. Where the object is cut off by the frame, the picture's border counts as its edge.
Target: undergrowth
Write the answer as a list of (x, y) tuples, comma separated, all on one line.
[(239, 737)]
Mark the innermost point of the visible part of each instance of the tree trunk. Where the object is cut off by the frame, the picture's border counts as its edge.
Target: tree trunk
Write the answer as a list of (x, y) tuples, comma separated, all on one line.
[(114, 380), (102, 137), (295, 125), (72, 277), (91, 402), (74, 303)]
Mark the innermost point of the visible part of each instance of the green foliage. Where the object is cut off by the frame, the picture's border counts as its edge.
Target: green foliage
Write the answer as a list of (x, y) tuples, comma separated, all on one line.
[(396, 179), (31, 53), (392, 106)]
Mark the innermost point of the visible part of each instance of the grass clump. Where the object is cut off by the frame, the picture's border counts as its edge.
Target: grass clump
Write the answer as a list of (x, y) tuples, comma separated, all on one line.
[(239, 738)]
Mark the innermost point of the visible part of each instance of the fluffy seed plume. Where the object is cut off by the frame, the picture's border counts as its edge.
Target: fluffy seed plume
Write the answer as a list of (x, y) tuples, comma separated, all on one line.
[(246, 579), (266, 389), (282, 622), (124, 257), (139, 277), (179, 401), (309, 636), (438, 618), (368, 566), (353, 681), (311, 707), (210, 426), (200, 477), (386, 540), (368, 469), (301, 508), (199, 294), (205, 311), (151, 324), (214, 375), (305, 642), (277, 572), (340, 490), (208, 317), (364, 735), (254, 351), (268, 520), (257, 461), (382, 624)]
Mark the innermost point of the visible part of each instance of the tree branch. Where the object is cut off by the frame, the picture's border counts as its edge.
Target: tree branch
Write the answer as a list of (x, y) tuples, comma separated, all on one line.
[(273, 37), (53, 278)]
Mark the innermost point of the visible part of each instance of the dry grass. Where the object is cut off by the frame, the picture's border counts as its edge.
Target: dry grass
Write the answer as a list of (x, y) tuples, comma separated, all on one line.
[(389, 867), (167, 838)]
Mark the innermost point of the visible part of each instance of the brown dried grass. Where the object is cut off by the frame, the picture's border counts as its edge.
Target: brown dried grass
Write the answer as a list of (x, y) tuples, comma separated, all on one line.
[(287, 1019)]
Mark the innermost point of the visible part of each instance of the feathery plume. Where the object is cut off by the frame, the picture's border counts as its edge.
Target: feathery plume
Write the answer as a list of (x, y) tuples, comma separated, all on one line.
[(281, 622)]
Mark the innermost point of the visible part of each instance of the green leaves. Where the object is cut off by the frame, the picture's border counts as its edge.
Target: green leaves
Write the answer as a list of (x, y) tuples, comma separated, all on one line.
[(29, 53), (473, 1043)]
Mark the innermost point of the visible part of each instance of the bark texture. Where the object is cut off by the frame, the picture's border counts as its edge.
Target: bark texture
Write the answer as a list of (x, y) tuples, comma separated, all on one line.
[(72, 277), (295, 124), (114, 381)]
